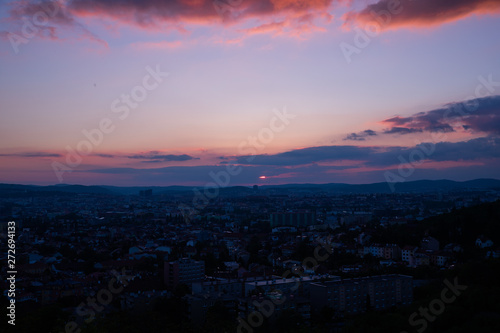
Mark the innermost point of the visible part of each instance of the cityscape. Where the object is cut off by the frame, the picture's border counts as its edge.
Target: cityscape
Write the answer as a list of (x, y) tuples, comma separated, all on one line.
[(285, 258)]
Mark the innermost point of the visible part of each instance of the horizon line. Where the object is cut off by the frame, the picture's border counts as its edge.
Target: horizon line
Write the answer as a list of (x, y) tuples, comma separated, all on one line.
[(250, 186)]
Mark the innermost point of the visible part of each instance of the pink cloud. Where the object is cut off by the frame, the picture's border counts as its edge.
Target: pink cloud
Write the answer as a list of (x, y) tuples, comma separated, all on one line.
[(298, 16), (393, 14)]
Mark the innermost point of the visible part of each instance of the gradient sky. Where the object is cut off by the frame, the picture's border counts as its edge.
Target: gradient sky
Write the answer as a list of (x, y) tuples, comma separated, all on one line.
[(375, 91)]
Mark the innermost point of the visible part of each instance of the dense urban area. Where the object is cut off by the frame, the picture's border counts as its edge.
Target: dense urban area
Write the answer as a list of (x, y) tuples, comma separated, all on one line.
[(254, 259)]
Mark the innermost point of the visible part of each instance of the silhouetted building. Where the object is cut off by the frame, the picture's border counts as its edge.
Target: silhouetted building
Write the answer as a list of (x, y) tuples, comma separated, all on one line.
[(198, 305), (146, 193), (251, 305), (351, 296), (184, 271), (293, 219), (293, 285)]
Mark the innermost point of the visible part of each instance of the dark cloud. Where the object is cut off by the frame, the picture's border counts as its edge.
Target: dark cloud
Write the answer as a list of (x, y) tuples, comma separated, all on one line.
[(32, 154), (313, 155), (420, 12), (308, 155), (475, 149), (402, 130), (481, 115), (399, 120), (484, 152), (105, 155), (420, 122), (471, 150), (155, 156), (361, 136), (477, 115), (147, 12)]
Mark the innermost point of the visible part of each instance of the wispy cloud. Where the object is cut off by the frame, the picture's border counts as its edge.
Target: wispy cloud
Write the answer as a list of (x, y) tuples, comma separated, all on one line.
[(31, 155), (484, 117), (361, 136), (105, 155), (402, 130), (158, 157)]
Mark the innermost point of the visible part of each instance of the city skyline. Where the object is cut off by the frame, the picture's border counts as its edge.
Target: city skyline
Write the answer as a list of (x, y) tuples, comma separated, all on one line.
[(143, 93)]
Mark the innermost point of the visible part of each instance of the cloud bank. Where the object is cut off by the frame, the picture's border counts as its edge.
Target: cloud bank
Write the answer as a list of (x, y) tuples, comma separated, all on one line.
[(481, 115), (275, 17)]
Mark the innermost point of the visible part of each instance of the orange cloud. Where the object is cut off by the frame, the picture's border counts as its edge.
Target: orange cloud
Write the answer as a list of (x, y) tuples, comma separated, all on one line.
[(273, 27), (292, 26), (266, 16), (391, 14), (152, 12)]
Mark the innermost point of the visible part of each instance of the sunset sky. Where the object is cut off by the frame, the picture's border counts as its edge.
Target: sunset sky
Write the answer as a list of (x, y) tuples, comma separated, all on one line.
[(284, 91)]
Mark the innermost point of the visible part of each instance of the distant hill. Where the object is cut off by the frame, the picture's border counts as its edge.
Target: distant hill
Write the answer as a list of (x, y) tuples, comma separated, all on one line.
[(413, 186), (20, 189)]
